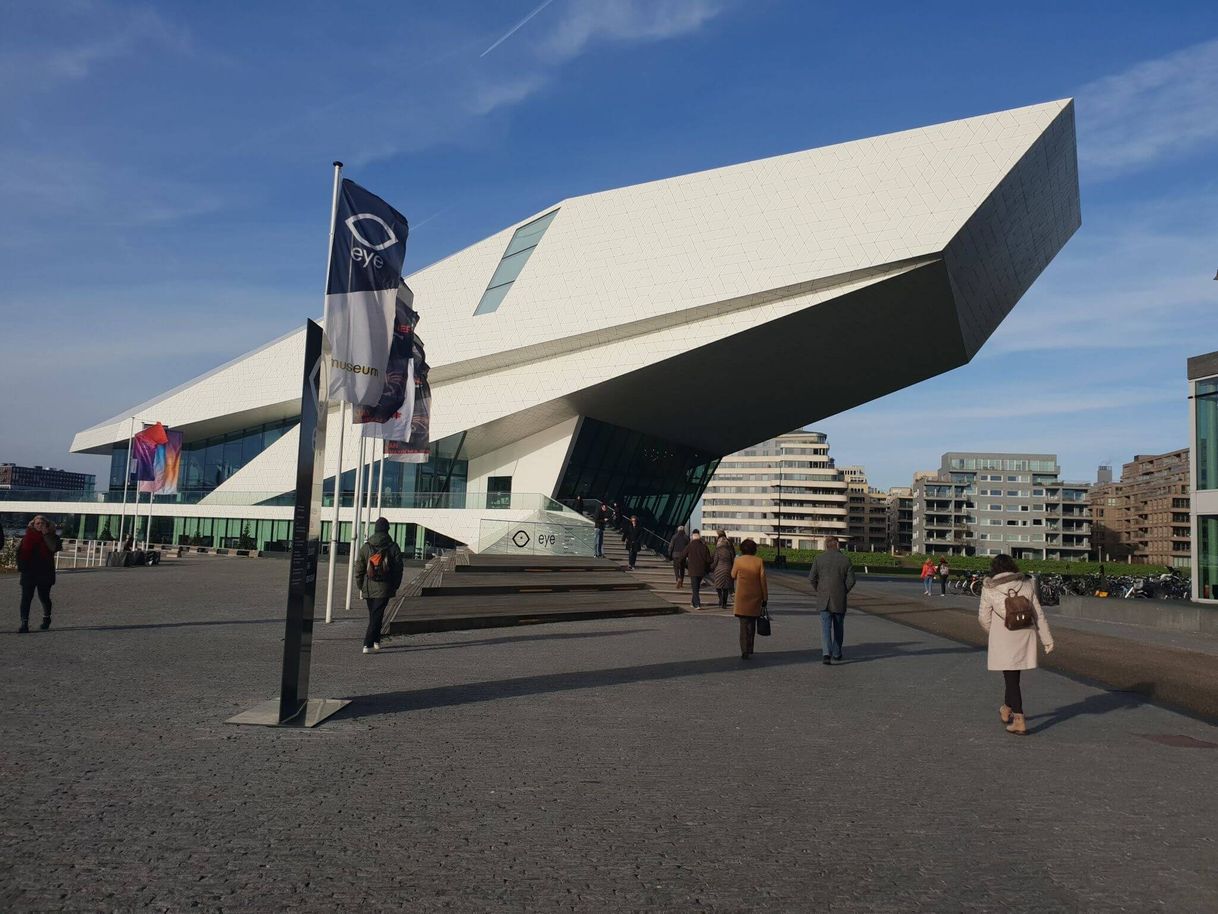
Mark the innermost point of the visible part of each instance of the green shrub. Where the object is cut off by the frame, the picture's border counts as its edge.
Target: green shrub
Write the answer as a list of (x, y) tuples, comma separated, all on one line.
[(912, 564)]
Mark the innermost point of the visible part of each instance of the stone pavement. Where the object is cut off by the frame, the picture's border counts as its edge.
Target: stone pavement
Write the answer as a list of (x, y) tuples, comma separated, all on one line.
[(617, 765)]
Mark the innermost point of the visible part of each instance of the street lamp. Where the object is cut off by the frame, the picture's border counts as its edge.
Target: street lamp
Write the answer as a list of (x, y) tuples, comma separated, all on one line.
[(778, 560)]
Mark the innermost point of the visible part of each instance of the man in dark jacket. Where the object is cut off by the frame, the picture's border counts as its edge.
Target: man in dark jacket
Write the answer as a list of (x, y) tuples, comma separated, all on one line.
[(634, 539), (698, 561), (832, 577), (676, 552), (603, 515), (378, 574), (36, 562)]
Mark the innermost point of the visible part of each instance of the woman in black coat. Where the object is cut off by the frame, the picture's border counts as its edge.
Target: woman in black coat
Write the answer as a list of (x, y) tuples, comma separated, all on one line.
[(36, 562)]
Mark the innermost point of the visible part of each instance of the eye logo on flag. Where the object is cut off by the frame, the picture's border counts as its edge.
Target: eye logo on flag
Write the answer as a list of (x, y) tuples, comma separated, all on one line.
[(391, 240), (360, 293)]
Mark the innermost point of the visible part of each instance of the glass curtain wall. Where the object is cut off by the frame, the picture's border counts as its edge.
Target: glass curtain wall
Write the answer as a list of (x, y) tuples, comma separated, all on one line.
[(1207, 557), (656, 479), (1207, 434)]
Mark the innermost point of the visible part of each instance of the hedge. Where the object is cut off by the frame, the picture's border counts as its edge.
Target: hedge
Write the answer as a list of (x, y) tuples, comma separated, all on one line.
[(906, 564)]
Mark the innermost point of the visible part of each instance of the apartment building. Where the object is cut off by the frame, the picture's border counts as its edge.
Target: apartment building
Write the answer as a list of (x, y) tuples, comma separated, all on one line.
[(899, 503), (786, 486), (991, 503), (1144, 516), (867, 512)]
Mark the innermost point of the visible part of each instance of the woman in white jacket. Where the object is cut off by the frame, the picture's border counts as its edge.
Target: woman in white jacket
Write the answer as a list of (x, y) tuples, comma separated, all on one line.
[(1011, 651)]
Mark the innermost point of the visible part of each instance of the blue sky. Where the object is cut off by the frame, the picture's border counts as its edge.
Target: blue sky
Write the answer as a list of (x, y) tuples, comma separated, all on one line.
[(165, 180)]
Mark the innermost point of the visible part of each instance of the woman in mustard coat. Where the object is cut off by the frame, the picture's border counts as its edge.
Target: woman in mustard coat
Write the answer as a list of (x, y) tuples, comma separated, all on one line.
[(748, 571)]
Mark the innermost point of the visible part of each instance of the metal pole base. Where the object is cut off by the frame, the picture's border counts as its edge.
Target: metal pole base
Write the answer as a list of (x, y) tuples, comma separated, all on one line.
[(312, 713)]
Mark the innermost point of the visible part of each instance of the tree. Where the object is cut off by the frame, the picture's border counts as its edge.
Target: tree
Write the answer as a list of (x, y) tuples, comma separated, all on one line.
[(245, 541), (105, 534)]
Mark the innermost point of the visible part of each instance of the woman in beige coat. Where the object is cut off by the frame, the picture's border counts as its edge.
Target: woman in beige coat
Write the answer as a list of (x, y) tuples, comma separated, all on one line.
[(1011, 651), (748, 571)]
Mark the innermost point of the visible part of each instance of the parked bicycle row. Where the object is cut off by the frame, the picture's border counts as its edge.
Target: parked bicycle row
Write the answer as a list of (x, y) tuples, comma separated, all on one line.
[(1053, 587)]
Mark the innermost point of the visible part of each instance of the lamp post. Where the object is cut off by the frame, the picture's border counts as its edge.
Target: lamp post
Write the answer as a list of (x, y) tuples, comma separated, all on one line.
[(778, 559)]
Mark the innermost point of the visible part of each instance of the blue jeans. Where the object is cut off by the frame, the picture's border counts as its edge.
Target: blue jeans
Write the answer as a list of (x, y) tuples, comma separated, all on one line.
[(600, 542), (831, 630)]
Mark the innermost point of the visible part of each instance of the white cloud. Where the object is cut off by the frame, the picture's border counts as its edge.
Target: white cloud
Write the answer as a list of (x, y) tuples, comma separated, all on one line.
[(1156, 111), (585, 21)]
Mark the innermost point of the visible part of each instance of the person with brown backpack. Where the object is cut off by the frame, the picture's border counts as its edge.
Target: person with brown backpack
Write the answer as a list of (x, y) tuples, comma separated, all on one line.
[(1010, 611), (378, 574)]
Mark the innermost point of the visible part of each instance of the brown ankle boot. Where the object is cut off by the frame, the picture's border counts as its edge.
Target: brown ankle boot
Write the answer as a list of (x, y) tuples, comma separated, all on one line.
[(1018, 725), (1005, 714)]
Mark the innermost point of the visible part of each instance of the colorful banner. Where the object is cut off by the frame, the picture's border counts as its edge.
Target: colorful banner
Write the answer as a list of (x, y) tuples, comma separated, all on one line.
[(365, 272), (416, 449), (144, 445), (398, 388), (158, 454)]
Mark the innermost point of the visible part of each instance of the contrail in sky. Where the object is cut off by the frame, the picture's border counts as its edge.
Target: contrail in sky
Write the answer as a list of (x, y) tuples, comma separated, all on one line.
[(514, 29)]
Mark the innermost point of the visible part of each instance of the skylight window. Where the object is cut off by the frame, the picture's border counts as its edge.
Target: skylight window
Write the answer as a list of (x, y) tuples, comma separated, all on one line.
[(519, 249)]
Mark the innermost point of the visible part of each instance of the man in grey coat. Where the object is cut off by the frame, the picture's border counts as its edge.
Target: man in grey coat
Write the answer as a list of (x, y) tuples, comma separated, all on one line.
[(832, 577)]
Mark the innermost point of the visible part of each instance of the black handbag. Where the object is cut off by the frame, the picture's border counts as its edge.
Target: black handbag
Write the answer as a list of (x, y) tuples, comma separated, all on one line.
[(763, 623)]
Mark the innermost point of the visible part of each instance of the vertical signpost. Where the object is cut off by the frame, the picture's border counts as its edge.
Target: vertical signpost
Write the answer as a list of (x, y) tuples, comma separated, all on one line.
[(294, 707)]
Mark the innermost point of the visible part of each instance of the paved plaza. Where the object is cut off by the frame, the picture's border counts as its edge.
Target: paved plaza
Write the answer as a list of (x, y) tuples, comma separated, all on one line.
[(626, 764)]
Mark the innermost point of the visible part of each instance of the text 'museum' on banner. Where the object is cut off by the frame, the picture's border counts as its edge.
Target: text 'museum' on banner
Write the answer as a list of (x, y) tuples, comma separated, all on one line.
[(366, 260)]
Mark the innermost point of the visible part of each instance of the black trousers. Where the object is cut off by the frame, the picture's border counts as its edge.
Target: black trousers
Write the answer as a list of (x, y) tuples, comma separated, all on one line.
[(695, 586), (943, 585), (723, 595), (748, 633), (27, 599), (634, 554), (376, 618), (1014, 696)]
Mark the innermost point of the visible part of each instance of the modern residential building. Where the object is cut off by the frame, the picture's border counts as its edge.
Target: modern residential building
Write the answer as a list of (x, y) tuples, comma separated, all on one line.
[(867, 512), (900, 519), (36, 478), (1203, 478), (788, 486), (1144, 516), (987, 503), (595, 347)]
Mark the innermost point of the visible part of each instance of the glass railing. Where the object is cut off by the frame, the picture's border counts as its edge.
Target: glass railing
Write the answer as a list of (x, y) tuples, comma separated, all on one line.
[(457, 501)]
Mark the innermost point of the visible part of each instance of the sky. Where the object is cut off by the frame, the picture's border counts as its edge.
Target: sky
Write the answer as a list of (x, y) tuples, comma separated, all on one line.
[(165, 180)]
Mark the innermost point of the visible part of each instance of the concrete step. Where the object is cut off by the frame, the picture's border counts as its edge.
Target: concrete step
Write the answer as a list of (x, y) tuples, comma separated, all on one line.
[(457, 613), (482, 584)]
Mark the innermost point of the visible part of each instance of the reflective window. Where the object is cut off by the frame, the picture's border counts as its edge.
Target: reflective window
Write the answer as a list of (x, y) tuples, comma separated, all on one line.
[(1207, 434), (1207, 557), (519, 249)]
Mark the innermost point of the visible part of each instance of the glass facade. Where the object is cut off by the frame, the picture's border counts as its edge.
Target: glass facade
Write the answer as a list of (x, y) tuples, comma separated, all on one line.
[(519, 249), (656, 479), (1207, 557), (1207, 434)]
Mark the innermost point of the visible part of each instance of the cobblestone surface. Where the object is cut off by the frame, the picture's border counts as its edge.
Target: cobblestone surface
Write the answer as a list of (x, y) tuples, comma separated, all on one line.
[(633, 765)]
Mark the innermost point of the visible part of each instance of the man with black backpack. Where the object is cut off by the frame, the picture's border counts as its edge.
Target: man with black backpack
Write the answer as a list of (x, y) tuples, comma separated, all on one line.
[(378, 574)]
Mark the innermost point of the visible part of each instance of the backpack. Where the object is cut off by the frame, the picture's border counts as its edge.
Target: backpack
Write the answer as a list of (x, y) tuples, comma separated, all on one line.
[(378, 565), (1020, 611)]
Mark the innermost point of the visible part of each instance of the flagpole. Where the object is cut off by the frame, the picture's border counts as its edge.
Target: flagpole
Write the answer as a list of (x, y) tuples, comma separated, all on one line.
[(334, 523), (380, 481), (148, 529), (135, 519), (122, 521), (368, 498), (355, 512)]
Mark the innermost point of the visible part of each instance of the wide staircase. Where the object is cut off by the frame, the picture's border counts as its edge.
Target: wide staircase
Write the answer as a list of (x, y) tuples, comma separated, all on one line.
[(653, 571), (464, 591)]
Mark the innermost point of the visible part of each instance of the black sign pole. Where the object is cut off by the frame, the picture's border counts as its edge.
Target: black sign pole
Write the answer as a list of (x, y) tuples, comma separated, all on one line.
[(293, 707)]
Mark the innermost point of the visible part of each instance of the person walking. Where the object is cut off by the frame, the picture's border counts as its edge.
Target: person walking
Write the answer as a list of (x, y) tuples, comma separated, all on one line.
[(36, 563), (634, 539), (1011, 652), (725, 556), (699, 561), (928, 574), (676, 552), (378, 575), (603, 515), (752, 594), (944, 571), (832, 577)]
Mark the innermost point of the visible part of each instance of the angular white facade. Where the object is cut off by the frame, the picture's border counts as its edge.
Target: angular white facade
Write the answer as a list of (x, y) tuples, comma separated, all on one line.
[(705, 312)]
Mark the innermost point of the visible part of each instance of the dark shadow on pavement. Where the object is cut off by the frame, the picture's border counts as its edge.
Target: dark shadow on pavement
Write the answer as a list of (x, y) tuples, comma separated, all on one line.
[(508, 639), (887, 650), (126, 628), (473, 692), (1103, 703)]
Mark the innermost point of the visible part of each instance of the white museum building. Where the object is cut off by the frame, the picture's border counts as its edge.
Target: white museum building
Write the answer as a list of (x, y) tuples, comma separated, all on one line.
[(617, 345)]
